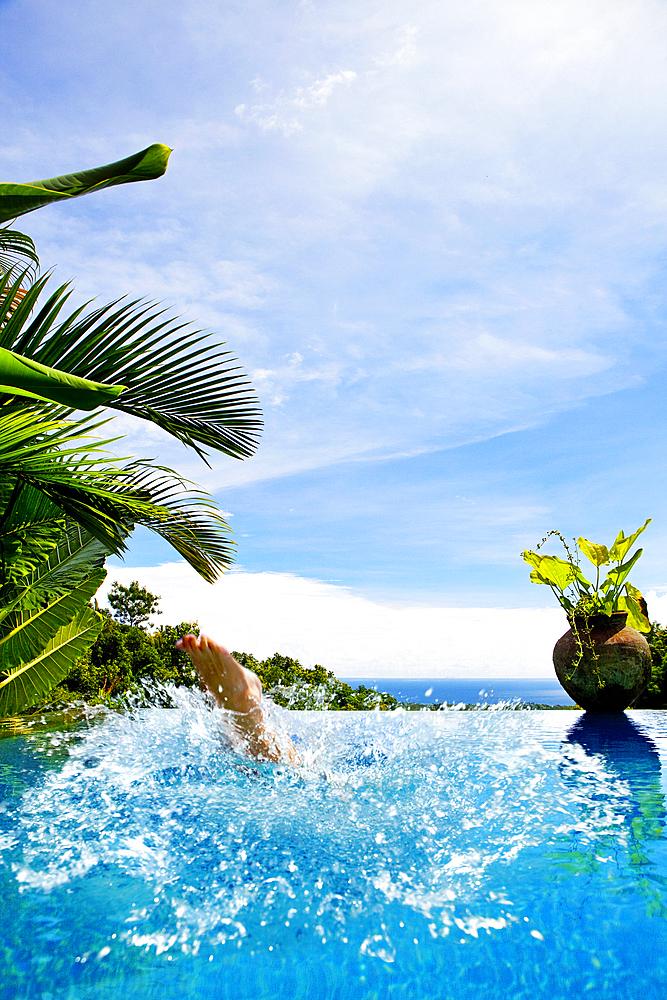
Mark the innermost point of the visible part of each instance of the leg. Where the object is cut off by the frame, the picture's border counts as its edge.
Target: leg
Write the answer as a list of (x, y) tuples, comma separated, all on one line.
[(240, 691)]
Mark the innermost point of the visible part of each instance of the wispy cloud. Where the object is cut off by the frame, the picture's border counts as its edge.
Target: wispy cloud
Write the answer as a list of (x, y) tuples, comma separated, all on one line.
[(280, 113), (486, 352), (426, 225)]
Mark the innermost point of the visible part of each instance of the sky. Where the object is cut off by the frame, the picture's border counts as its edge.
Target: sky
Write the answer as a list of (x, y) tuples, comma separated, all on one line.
[(433, 235)]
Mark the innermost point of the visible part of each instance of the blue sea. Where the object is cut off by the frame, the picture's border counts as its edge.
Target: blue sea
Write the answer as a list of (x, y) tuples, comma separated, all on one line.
[(480, 690)]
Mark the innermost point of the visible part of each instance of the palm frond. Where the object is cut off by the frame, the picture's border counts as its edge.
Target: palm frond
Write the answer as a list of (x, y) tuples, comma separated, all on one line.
[(42, 554), (17, 253), (175, 377), (17, 199), (186, 518), (106, 499), (75, 555)]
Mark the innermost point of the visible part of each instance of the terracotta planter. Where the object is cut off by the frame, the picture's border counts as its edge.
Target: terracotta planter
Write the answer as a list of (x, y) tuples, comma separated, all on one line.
[(615, 666)]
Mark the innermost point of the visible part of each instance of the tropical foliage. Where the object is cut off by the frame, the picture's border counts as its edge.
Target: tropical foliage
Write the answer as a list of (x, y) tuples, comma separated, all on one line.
[(17, 199), (57, 481), (45, 619), (655, 695), (577, 595), (127, 663)]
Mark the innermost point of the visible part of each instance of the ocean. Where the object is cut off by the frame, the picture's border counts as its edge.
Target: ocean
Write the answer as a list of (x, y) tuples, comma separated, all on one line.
[(427, 691)]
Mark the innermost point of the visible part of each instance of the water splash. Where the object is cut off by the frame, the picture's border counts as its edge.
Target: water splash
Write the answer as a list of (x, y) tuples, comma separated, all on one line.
[(400, 829)]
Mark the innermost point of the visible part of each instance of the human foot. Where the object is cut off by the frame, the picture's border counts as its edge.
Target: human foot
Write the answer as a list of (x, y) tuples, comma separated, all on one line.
[(231, 685), (240, 691)]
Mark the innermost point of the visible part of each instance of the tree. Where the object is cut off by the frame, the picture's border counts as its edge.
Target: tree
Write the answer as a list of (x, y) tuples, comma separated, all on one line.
[(55, 479), (132, 605), (125, 659)]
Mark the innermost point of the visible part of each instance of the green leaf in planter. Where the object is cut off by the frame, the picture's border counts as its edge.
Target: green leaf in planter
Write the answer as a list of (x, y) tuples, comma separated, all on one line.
[(532, 558), (32, 680), (20, 376), (636, 618), (619, 574), (622, 545), (553, 571), (608, 604), (17, 199), (598, 554)]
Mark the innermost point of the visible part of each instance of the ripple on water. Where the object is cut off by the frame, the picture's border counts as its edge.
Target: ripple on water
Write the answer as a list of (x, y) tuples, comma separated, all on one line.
[(461, 841)]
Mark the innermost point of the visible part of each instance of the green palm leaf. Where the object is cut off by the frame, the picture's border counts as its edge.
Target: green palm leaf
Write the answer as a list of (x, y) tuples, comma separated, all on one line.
[(43, 554), (76, 553), (107, 500), (25, 633), (189, 520), (32, 680), (17, 253), (44, 624), (174, 377), (17, 199)]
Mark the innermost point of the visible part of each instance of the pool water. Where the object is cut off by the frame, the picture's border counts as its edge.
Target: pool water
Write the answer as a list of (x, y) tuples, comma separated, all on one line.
[(416, 855)]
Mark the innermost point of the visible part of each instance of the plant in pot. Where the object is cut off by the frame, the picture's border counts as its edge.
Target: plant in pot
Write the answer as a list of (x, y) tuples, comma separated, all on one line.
[(603, 661)]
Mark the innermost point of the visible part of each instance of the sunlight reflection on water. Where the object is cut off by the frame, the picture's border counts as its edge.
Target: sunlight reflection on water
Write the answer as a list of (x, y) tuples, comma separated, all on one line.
[(498, 850)]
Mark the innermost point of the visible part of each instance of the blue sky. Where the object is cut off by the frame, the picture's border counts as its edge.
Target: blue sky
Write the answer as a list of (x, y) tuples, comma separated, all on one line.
[(433, 234)]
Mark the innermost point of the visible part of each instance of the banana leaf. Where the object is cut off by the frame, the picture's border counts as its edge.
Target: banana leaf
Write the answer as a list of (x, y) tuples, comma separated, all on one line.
[(30, 681), (24, 377), (17, 199)]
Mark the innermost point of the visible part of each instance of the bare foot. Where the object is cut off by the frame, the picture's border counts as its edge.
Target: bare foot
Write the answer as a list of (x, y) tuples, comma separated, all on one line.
[(240, 691)]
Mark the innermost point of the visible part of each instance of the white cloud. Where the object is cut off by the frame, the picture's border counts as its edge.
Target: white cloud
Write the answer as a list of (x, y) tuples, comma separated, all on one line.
[(318, 622), (241, 285), (279, 114), (406, 49), (320, 91)]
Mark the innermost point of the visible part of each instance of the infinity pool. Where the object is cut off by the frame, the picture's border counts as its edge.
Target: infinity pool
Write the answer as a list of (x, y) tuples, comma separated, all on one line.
[(435, 855)]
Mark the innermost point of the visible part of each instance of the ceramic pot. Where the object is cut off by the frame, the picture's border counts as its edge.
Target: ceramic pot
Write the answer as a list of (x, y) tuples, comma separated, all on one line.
[(614, 669)]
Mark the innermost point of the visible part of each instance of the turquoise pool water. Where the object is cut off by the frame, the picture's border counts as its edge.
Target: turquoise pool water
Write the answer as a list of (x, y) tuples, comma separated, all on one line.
[(434, 855)]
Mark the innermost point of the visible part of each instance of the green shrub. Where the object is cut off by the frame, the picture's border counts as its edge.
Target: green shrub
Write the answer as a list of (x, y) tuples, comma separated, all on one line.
[(293, 686), (655, 695), (124, 660)]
